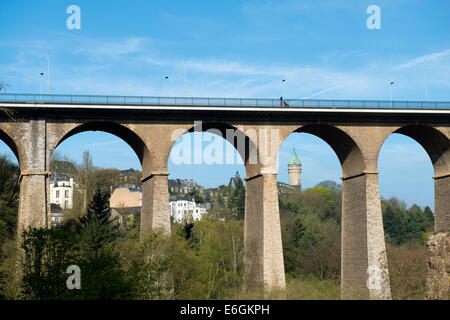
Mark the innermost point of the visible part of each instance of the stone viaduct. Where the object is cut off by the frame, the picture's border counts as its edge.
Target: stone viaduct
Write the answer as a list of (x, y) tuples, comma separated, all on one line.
[(33, 129)]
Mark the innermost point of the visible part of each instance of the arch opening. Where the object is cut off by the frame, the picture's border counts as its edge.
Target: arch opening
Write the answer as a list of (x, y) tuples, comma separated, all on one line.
[(241, 141), (310, 213), (131, 138), (208, 156), (407, 161), (343, 145), (435, 143), (97, 155), (9, 189), (207, 203), (9, 146)]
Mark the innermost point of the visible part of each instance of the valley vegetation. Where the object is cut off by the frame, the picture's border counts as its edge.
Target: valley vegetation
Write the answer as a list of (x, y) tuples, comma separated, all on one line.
[(199, 260)]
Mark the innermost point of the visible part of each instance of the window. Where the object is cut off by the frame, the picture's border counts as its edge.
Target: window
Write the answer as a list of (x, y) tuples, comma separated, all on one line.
[(66, 204), (57, 193), (66, 193)]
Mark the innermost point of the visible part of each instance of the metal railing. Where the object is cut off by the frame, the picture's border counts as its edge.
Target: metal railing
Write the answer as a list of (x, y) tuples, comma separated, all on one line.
[(231, 102)]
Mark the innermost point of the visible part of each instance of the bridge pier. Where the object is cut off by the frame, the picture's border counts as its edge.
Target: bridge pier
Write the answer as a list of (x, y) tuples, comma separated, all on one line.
[(33, 204), (442, 202), (34, 178), (263, 256), (364, 269), (155, 212)]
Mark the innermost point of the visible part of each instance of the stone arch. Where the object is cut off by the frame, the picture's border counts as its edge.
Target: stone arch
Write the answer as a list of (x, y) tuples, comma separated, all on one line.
[(131, 138), (435, 143), (263, 254), (11, 144), (362, 237), (241, 141), (346, 148)]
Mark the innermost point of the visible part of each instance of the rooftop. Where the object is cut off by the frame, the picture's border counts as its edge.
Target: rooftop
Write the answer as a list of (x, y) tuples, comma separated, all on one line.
[(294, 158)]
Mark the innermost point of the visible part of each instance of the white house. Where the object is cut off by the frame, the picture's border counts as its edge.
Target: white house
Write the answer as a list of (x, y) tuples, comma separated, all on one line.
[(61, 196), (61, 191), (185, 209)]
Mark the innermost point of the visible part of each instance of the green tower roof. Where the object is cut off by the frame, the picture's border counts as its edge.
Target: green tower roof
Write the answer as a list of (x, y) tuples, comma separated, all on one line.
[(294, 158)]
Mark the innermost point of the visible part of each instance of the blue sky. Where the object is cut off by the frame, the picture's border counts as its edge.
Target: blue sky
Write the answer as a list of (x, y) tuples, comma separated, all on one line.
[(237, 49)]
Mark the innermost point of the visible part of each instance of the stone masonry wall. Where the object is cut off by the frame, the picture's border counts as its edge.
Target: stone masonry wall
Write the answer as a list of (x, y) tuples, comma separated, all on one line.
[(438, 265)]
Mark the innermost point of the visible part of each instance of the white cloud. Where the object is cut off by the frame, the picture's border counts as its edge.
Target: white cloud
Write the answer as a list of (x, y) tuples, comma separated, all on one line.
[(140, 69), (109, 49), (426, 58)]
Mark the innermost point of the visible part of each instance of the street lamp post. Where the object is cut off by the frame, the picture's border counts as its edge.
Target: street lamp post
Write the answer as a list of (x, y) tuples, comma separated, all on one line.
[(42, 83), (166, 78), (282, 92), (48, 78), (185, 80), (390, 86), (426, 89), (309, 83)]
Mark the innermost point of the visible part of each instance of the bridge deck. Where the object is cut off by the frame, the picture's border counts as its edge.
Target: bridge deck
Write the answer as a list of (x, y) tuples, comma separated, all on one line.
[(218, 102)]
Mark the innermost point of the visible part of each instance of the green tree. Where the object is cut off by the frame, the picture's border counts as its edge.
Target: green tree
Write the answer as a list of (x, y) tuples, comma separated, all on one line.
[(148, 272), (236, 201), (2, 284), (97, 227), (393, 222), (9, 198), (102, 274), (47, 256), (196, 195), (429, 216)]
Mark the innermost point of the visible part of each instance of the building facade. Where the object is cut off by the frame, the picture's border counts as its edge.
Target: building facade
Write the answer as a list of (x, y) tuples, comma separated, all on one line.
[(125, 201), (184, 186), (185, 209), (61, 196), (61, 191)]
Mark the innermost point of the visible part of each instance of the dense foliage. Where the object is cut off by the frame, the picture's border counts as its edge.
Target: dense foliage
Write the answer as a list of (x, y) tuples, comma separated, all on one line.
[(9, 198), (402, 225), (200, 260)]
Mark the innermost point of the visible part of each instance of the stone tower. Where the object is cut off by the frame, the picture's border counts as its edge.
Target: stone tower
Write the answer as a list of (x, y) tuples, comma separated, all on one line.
[(294, 170)]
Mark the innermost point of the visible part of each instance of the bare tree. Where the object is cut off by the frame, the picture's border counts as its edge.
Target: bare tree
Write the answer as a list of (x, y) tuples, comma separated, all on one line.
[(87, 176)]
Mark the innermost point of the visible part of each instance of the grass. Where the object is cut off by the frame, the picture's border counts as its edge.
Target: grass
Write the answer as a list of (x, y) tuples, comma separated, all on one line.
[(299, 288)]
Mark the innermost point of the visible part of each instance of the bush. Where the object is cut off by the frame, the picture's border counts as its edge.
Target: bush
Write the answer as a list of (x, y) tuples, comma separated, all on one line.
[(47, 256), (407, 270)]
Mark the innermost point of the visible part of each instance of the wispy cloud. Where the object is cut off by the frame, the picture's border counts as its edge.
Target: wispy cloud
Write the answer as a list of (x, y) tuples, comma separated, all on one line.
[(426, 58), (110, 49), (140, 66), (318, 93)]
